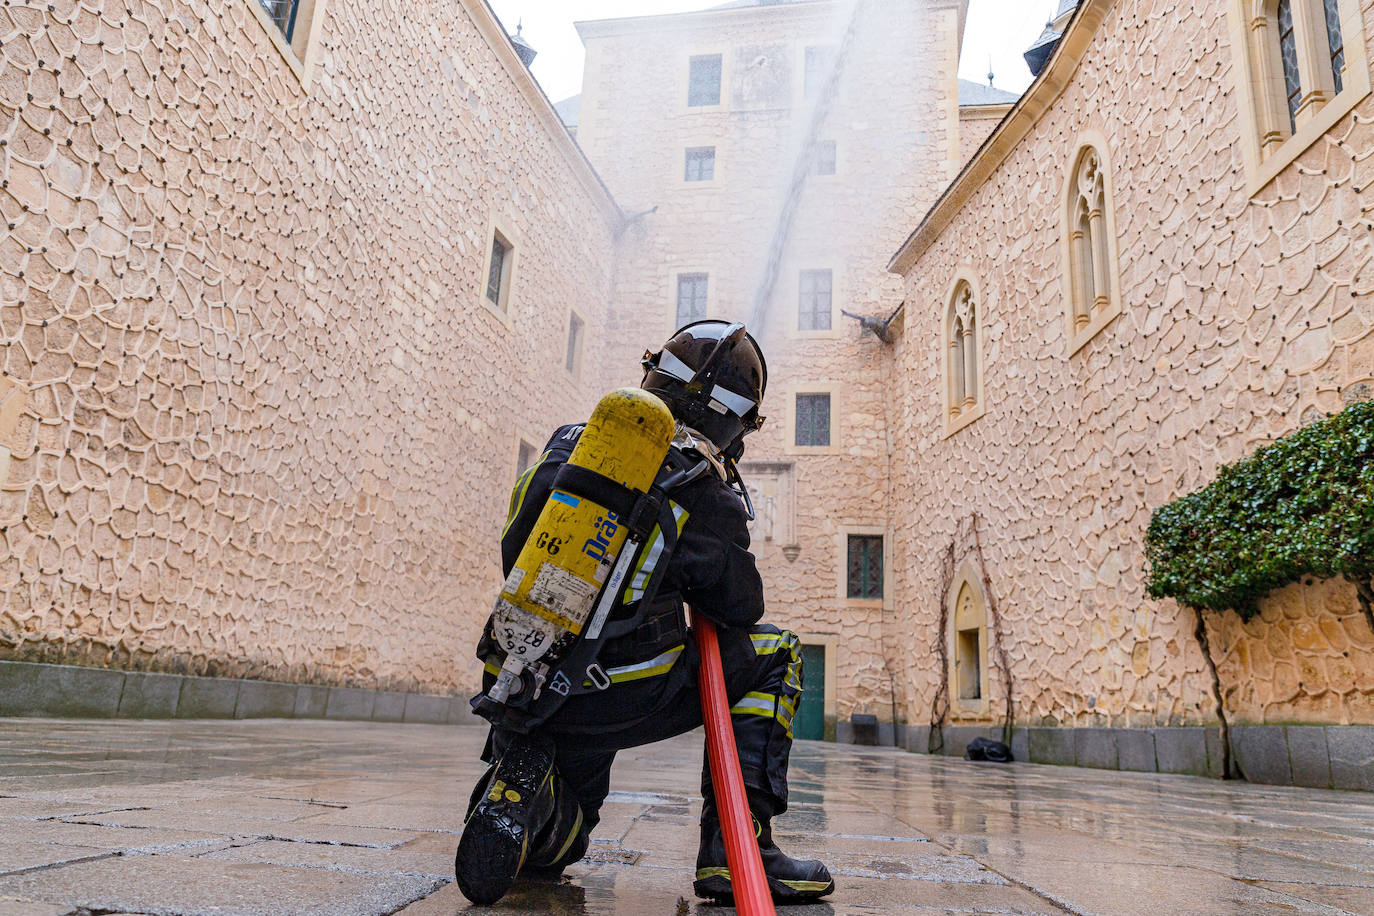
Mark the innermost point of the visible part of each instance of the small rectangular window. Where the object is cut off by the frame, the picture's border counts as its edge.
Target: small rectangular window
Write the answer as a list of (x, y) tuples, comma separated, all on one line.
[(524, 458), (701, 164), (691, 298), (814, 299), (816, 67), (284, 13), (498, 272), (703, 80), (574, 358), (865, 569), (813, 419), (825, 157)]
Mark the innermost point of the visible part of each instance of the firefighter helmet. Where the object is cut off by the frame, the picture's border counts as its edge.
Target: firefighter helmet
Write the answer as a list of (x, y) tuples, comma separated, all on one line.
[(712, 376)]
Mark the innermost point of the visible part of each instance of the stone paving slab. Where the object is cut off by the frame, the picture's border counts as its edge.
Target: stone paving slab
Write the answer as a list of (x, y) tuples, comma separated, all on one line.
[(11, 906), (267, 816), (403, 860), (173, 885)]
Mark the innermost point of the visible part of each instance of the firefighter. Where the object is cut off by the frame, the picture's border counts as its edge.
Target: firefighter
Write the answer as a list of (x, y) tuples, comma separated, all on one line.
[(533, 811)]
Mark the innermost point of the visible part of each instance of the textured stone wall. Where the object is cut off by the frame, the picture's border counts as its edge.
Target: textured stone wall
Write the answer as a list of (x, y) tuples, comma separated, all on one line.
[(975, 126), (894, 151), (253, 417), (1242, 318)]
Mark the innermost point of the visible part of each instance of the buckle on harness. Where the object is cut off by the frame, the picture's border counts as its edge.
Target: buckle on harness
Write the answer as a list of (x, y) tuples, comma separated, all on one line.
[(644, 515), (598, 676)]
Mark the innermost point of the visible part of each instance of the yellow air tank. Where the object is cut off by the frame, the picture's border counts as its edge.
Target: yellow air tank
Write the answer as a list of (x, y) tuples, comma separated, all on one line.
[(577, 549)]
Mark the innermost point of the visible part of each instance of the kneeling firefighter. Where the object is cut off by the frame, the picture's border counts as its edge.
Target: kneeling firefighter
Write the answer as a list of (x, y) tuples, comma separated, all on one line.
[(558, 720)]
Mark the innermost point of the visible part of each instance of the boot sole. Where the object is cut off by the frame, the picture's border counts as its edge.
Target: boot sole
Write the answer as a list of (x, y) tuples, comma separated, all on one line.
[(717, 887), (495, 842)]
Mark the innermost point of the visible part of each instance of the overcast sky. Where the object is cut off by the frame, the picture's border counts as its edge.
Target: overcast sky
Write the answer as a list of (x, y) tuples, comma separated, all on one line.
[(1000, 29)]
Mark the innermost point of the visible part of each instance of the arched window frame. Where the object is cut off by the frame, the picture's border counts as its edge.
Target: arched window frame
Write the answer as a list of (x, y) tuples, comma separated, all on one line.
[(962, 352), (968, 577), (1271, 140), (1088, 245)]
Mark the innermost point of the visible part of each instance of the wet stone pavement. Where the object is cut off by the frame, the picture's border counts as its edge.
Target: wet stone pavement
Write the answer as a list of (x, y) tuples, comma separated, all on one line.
[(271, 816)]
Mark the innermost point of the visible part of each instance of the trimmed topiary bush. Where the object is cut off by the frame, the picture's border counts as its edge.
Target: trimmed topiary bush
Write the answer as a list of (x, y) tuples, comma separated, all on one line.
[(1301, 506)]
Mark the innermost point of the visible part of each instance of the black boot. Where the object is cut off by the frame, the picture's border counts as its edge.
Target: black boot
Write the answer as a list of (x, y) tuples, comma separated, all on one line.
[(790, 880), (515, 804), (563, 840)]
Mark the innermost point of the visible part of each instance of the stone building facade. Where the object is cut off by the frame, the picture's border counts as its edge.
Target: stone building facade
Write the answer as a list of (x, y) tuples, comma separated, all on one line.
[(813, 180), (284, 313), (258, 415), (1144, 282)]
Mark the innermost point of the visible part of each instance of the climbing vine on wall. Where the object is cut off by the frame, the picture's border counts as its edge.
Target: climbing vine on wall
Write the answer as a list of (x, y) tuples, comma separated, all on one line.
[(1303, 506)]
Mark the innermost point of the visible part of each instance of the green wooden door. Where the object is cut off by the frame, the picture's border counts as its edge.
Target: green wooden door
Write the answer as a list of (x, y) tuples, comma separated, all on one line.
[(810, 720)]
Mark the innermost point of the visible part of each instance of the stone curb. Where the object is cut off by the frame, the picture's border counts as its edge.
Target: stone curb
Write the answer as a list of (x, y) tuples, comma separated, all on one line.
[(1314, 756), (67, 691)]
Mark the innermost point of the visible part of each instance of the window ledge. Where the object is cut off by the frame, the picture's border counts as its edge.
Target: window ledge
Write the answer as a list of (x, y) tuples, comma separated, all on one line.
[(952, 426), (832, 333), (1095, 326), (503, 317), (1316, 128), (278, 40), (969, 711)]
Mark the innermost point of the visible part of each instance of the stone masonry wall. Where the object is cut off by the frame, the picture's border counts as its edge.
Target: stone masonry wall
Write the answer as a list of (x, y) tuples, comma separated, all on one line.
[(1242, 318), (894, 154), (975, 126), (255, 420)]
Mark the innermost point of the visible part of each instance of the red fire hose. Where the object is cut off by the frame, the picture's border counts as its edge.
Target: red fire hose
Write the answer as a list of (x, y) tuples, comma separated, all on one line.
[(747, 880)]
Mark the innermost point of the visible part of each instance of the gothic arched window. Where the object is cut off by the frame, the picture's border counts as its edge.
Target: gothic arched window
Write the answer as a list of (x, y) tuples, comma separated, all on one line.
[(1294, 59), (963, 376), (1091, 284)]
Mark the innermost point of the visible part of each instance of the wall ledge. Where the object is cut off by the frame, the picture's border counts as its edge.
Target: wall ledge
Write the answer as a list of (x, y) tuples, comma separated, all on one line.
[(1313, 756), (33, 689)]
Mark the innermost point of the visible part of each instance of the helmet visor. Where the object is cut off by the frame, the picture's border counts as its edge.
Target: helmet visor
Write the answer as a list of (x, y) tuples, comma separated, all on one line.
[(737, 404)]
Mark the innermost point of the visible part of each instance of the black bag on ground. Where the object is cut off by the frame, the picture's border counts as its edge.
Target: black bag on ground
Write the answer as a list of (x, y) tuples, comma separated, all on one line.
[(987, 749)]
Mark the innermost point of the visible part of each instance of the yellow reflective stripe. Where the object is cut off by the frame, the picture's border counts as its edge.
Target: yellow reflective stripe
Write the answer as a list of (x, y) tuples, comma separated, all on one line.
[(572, 835), (716, 872), (645, 567), (787, 707), (491, 668), (648, 560), (765, 643), (659, 664), (755, 704), (517, 496)]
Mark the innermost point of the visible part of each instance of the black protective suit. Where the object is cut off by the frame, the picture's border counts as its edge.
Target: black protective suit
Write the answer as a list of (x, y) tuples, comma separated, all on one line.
[(653, 693)]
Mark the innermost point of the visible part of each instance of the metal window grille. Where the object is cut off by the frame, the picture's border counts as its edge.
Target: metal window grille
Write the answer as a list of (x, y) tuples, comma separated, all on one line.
[(1288, 53), (703, 80), (496, 273), (701, 164), (574, 342), (813, 419), (283, 13), (813, 307), (1334, 40), (865, 568), (691, 298), (825, 158)]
